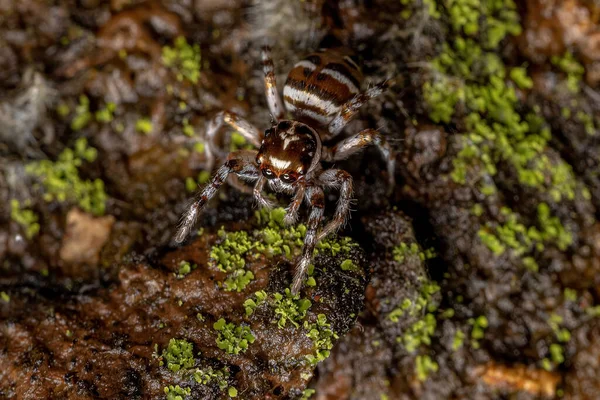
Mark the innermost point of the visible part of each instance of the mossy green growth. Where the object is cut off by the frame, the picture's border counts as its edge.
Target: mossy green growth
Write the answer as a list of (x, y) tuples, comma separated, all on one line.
[(143, 125), (176, 392), (4, 297), (83, 116), (185, 268), (28, 219), (322, 335), (208, 375), (424, 365), (404, 250), (307, 394), (178, 355), (238, 280), (250, 305), (424, 306), (106, 114), (562, 334), (289, 308), (479, 325), (574, 70), (184, 59), (233, 339), (458, 341), (61, 180)]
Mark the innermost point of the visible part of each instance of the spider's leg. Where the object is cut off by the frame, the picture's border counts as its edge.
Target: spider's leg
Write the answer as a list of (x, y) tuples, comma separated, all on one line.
[(354, 144), (351, 107), (258, 195), (246, 129), (316, 198), (273, 99), (241, 163), (337, 178), (291, 213)]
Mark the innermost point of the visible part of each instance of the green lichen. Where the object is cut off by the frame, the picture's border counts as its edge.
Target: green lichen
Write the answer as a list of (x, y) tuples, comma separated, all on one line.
[(238, 280), (234, 339), (322, 336), (232, 392), (28, 219), (570, 294), (187, 129), (178, 355), (61, 181), (290, 308), (176, 392), (479, 326), (458, 341), (424, 365), (307, 394), (420, 332), (403, 250), (184, 59)]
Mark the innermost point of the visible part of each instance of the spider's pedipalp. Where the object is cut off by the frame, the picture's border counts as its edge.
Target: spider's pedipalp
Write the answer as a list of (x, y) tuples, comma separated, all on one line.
[(240, 163), (316, 198), (337, 178)]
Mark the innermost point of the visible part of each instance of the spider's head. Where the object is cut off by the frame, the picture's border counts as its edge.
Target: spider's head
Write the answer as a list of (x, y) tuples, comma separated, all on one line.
[(288, 152)]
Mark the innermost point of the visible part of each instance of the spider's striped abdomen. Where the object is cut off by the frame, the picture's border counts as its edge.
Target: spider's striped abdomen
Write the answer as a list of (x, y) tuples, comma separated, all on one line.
[(318, 86)]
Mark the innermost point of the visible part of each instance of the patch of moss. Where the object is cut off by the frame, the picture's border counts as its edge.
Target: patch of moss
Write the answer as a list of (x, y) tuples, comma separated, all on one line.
[(28, 219), (290, 308), (307, 394), (424, 365), (83, 116), (233, 339), (143, 125), (403, 250), (184, 59), (572, 68), (322, 335), (4, 297), (176, 392), (250, 305), (185, 268), (458, 341), (106, 114), (178, 355), (208, 375), (61, 180)]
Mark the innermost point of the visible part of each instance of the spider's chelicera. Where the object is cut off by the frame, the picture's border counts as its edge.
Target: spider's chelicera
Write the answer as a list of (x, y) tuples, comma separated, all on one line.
[(322, 93)]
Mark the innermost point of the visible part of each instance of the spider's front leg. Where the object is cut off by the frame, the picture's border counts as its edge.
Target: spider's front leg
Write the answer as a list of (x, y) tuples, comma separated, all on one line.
[(316, 198), (241, 163), (354, 144), (342, 180), (261, 200), (252, 134), (273, 99)]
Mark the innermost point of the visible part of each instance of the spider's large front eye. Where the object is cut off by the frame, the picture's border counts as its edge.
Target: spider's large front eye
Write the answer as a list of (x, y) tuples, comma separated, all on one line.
[(268, 173), (287, 178)]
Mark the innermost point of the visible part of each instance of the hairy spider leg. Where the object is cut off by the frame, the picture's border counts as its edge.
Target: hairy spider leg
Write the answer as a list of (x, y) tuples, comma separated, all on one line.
[(342, 180), (241, 163), (356, 143), (316, 199), (251, 133), (351, 107), (291, 213), (273, 98)]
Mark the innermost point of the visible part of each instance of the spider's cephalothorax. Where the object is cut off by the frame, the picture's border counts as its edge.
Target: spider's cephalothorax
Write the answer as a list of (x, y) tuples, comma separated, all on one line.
[(322, 93)]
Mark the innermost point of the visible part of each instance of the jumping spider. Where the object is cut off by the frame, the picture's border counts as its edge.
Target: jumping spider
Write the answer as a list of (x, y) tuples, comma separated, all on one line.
[(322, 93)]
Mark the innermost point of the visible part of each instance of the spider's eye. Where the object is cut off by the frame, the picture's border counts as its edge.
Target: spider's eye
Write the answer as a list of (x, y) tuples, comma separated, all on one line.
[(268, 173), (287, 178)]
